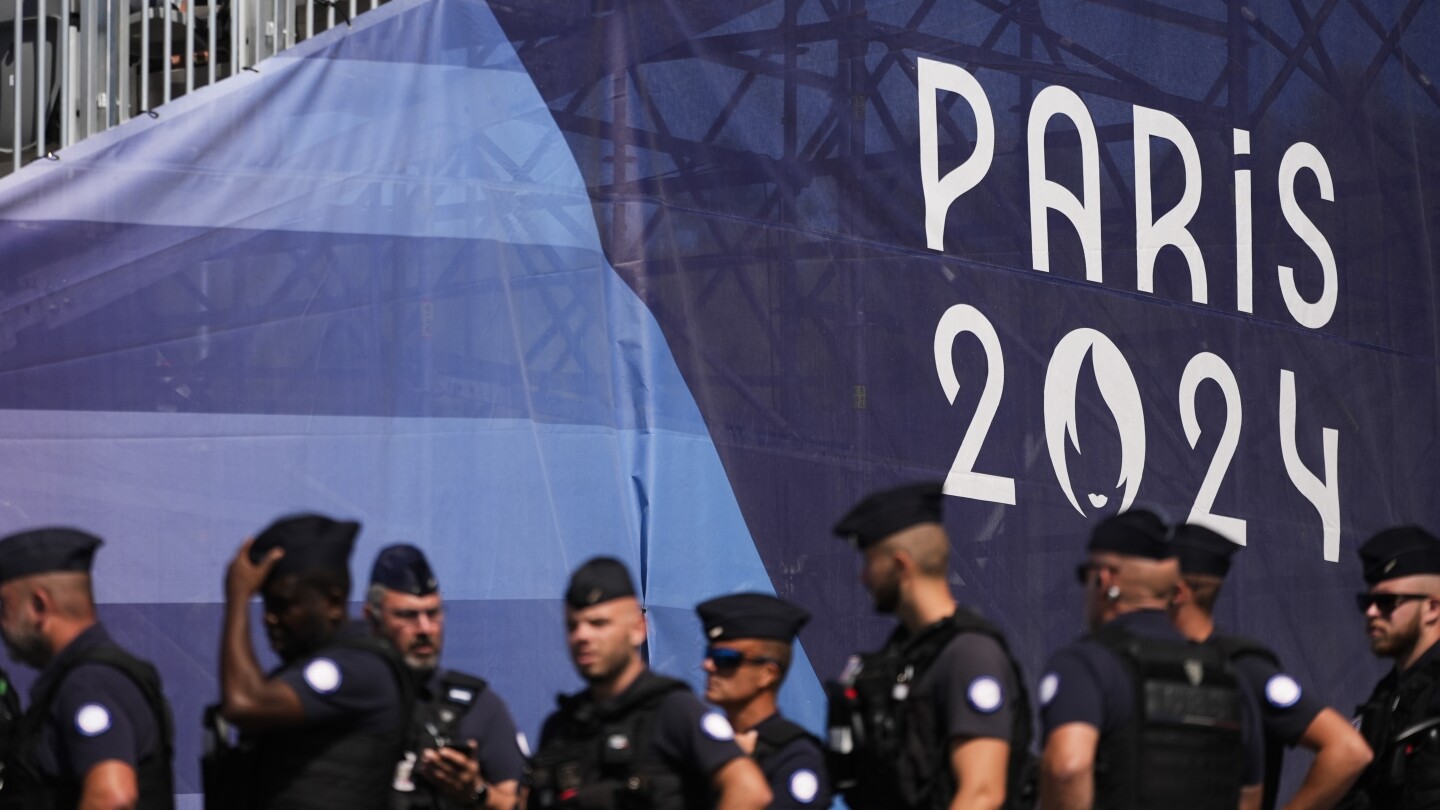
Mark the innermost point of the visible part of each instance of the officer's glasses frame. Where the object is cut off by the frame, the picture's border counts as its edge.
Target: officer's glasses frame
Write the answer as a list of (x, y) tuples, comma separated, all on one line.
[(1085, 569), (725, 659), (1385, 602)]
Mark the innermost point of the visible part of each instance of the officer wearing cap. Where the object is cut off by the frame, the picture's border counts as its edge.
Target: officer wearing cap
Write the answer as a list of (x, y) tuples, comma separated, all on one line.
[(462, 749), (939, 717), (1289, 713), (325, 729), (1109, 741), (1401, 720), (98, 730), (750, 639), (632, 738)]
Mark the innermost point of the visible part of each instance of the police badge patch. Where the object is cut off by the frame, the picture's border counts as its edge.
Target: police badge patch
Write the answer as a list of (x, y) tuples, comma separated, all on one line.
[(92, 720), (322, 675), (716, 727), (804, 785)]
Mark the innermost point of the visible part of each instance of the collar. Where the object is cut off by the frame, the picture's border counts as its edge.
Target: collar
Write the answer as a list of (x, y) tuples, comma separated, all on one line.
[(93, 636), (1148, 619)]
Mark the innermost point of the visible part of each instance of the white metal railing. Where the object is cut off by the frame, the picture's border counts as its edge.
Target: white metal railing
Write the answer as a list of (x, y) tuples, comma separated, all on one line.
[(71, 68)]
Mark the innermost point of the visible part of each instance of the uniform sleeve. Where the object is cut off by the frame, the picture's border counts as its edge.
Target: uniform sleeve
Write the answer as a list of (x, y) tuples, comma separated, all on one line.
[(692, 737), (1069, 692), (346, 684), (489, 724), (797, 777), (100, 714), (1252, 736), (1286, 709), (975, 688)]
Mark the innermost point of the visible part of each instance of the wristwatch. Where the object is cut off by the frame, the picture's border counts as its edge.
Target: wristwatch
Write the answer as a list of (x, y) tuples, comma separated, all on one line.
[(477, 797)]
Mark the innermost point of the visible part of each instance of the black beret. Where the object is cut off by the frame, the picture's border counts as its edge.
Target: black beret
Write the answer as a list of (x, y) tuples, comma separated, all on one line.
[(751, 615), (884, 513), (403, 567), (311, 543), (1203, 551), (46, 550), (1136, 533), (598, 580), (1400, 552)]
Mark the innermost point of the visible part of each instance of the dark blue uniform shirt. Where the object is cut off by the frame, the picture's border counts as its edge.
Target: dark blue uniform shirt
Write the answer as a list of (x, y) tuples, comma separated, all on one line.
[(338, 684), (98, 714), (796, 774), (1086, 682), (489, 724)]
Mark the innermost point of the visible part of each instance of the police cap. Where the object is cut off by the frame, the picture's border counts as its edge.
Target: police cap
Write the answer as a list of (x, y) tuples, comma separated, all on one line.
[(403, 567), (310, 542), (46, 550), (884, 513), (1202, 551), (599, 580), (1400, 552), (751, 615), (1136, 533)]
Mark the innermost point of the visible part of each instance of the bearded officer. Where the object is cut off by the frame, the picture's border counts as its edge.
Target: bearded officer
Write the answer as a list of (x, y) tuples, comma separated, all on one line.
[(632, 738), (325, 729), (462, 749), (1134, 715), (1401, 720), (751, 638), (98, 732), (939, 717), (1289, 714)]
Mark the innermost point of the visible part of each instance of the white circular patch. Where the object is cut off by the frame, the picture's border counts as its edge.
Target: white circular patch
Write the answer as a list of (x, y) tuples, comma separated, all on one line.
[(986, 695), (92, 720), (322, 675), (804, 784), (716, 727), (1282, 691), (1049, 685)]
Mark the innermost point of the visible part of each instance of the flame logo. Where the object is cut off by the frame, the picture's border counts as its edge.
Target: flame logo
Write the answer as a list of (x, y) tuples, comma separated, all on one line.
[(1121, 395)]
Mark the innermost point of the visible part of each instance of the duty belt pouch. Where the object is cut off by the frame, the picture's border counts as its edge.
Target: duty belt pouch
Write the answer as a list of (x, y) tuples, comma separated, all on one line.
[(222, 764)]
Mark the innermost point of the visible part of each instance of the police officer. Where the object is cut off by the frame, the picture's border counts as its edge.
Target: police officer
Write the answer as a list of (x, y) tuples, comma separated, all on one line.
[(1135, 716), (632, 739), (98, 731), (939, 717), (325, 729), (1289, 714), (750, 648), (1401, 718), (462, 749)]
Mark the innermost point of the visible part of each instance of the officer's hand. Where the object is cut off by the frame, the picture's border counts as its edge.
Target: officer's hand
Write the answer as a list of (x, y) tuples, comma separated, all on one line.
[(455, 773), (746, 741), (244, 578)]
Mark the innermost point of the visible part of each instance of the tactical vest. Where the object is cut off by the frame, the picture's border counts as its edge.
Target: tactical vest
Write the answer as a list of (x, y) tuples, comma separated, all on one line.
[(774, 735), (595, 757), (887, 748), (329, 766), (26, 788), (1234, 648), (433, 723), (1397, 722), (1182, 746)]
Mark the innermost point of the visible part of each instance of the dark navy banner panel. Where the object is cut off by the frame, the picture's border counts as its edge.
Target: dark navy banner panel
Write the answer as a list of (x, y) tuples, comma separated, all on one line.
[(679, 281)]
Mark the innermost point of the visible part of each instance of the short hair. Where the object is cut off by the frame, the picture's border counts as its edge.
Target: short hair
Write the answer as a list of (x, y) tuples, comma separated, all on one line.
[(782, 654), (1205, 589), (375, 598)]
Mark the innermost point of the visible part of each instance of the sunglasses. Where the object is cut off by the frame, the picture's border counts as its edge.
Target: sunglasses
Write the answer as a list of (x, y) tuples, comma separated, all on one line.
[(1085, 569), (1385, 602), (728, 660)]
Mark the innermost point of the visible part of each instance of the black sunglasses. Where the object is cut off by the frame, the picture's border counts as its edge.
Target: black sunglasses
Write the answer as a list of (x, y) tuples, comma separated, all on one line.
[(1085, 569), (725, 659), (1385, 602)]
